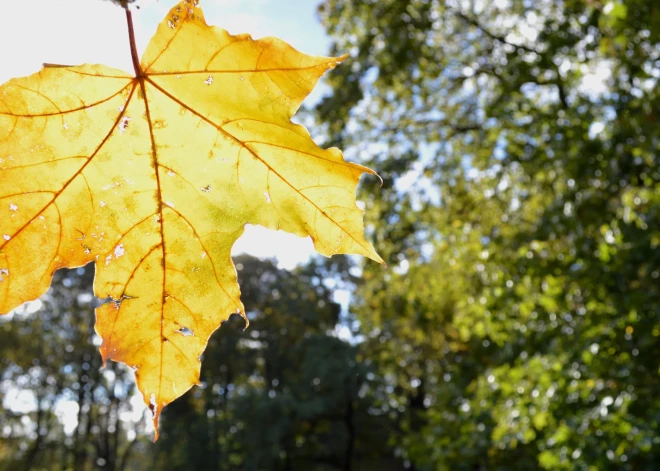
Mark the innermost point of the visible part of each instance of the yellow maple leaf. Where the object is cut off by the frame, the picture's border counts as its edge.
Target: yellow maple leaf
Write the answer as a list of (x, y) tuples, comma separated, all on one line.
[(153, 177)]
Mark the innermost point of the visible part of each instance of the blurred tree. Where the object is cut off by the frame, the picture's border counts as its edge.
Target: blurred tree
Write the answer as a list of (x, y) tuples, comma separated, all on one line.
[(60, 410), (519, 325), (286, 394)]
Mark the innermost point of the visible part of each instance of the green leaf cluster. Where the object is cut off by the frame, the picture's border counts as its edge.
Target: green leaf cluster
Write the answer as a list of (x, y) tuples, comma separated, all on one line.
[(519, 326)]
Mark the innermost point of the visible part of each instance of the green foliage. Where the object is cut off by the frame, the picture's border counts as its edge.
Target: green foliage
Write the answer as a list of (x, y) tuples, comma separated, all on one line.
[(519, 327)]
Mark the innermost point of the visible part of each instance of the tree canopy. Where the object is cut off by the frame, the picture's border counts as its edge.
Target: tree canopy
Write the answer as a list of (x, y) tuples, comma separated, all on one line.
[(518, 141)]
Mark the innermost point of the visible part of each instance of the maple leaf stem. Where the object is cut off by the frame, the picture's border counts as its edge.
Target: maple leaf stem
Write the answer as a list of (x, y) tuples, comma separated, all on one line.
[(131, 38)]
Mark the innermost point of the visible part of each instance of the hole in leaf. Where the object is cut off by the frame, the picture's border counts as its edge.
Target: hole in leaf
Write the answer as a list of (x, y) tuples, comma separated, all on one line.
[(185, 331)]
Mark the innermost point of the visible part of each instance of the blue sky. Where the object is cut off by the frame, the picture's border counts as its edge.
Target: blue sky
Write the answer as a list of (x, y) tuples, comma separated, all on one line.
[(73, 32)]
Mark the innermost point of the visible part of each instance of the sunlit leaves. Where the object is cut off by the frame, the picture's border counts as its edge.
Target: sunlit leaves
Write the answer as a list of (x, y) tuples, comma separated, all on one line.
[(153, 176)]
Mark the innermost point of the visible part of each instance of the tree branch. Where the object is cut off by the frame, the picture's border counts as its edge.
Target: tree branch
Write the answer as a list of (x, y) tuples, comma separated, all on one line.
[(520, 47)]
